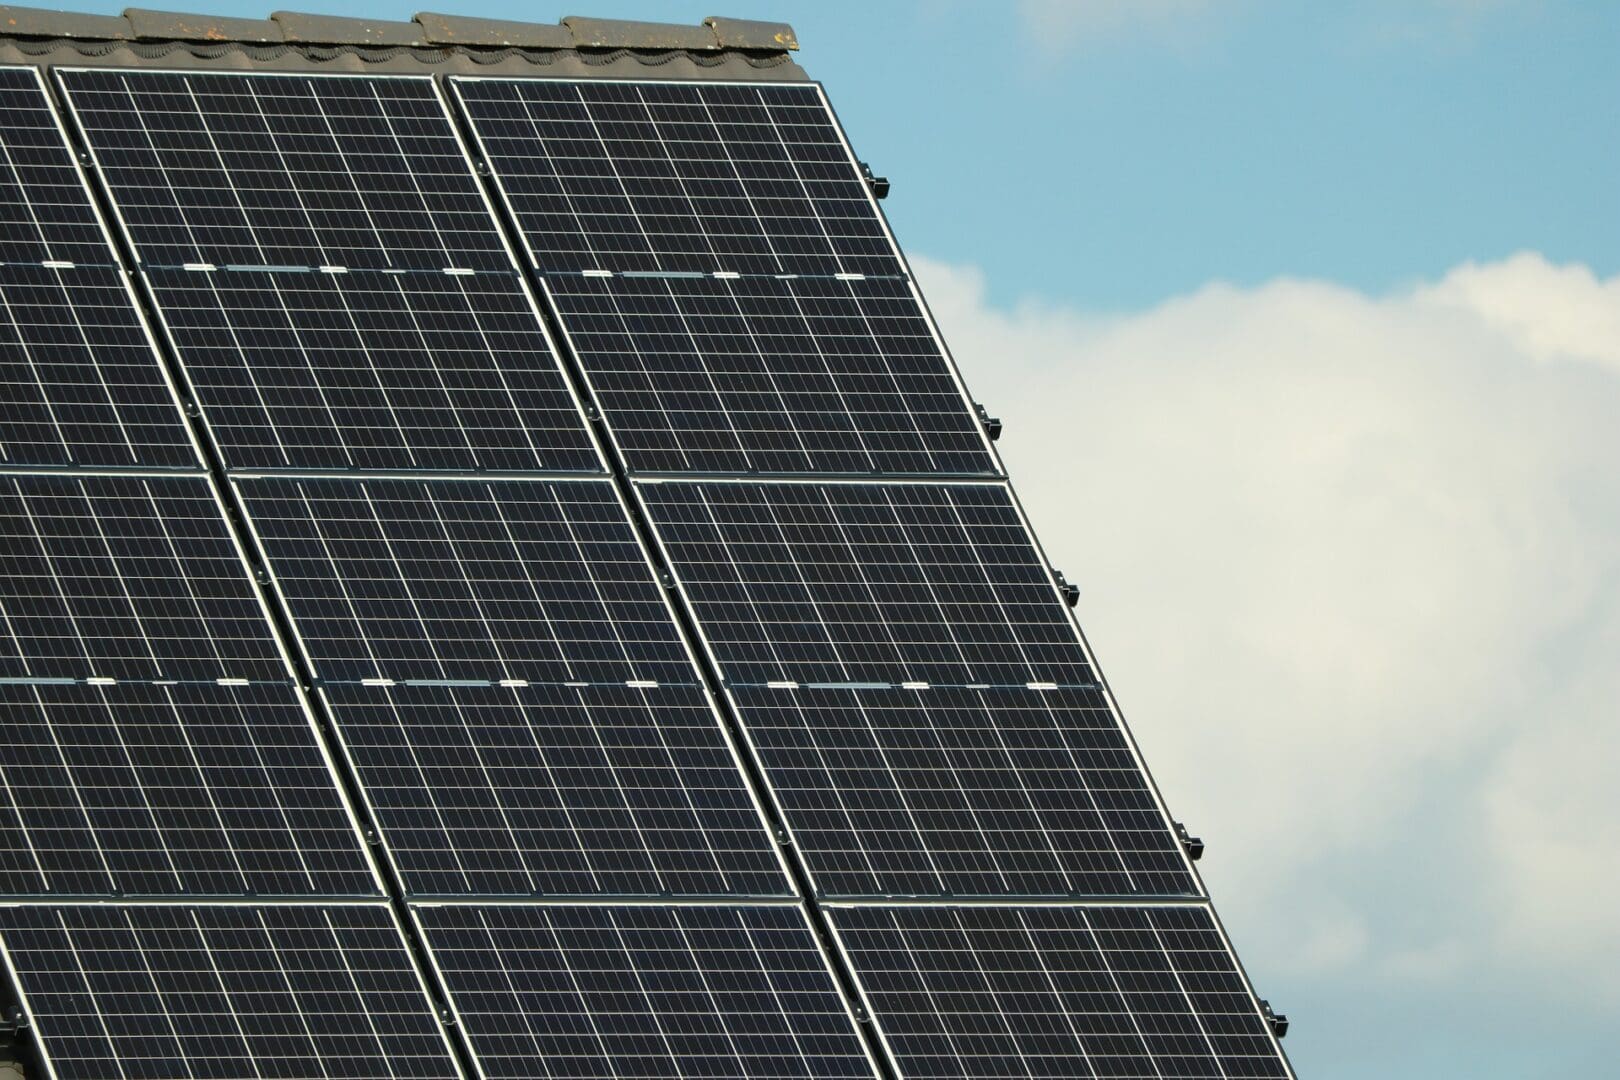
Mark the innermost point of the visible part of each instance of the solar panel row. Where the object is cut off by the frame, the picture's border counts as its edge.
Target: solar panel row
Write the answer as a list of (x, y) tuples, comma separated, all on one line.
[(503, 672)]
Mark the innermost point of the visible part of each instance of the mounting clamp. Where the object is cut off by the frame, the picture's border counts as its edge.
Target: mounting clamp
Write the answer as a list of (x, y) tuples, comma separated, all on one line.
[(1071, 593), (991, 424), (878, 184), (1276, 1021), (1194, 845)]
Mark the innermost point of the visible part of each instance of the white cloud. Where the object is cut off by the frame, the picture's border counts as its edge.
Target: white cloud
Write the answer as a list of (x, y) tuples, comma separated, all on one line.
[(1353, 565)]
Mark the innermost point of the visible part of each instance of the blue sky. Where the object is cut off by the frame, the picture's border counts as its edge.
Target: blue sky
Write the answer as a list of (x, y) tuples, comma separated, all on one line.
[(1305, 322)]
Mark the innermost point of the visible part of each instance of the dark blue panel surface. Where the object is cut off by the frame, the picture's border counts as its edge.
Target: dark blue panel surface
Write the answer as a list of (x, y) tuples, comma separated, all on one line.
[(237, 993), (556, 790), (1057, 992), (687, 178), (466, 581), (671, 992), (170, 791), (127, 578)]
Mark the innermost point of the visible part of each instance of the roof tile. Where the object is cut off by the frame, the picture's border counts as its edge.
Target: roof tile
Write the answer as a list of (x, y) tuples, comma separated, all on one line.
[(151, 25), (465, 30)]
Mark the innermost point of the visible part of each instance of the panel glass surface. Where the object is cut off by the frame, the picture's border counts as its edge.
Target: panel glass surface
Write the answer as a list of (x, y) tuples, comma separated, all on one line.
[(234, 993), (79, 382), (45, 212), (126, 578), (1057, 992), (466, 581), (330, 273), (644, 992), (167, 791), (556, 790), (866, 584), (948, 791), (689, 178), (285, 170), (915, 691), (372, 370), (766, 375)]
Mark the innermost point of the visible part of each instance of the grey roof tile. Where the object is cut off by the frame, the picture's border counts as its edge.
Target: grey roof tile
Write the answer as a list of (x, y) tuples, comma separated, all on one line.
[(752, 34), (619, 34), (302, 27), (37, 22), (181, 26), (465, 30)]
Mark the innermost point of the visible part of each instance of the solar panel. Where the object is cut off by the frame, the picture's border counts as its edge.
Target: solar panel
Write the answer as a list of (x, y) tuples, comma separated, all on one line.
[(568, 992), (125, 578), (913, 687), (234, 993), (678, 177), (989, 792), (867, 584), (556, 790), (269, 169), (466, 581), (81, 384), (169, 790), (1056, 991), (329, 271), (769, 375), (372, 370)]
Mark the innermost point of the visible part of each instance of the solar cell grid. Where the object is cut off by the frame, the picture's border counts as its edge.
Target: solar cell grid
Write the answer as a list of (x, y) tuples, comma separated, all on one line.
[(129, 578), (45, 212), (605, 790), (169, 790), (1057, 991), (866, 584), (369, 370), (990, 792), (79, 382), (285, 170), (118, 993), (466, 580), (769, 375), (684, 178), (642, 992)]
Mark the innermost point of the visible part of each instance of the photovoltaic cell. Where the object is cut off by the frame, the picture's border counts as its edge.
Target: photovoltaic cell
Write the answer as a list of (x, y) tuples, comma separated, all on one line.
[(866, 584), (1057, 991), (988, 792), (644, 992), (466, 581), (167, 791), (45, 211), (604, 790), (373, 370), (236, 993), (325, 262), (677, 177), (285, 170), (126, 578), (766, 375)]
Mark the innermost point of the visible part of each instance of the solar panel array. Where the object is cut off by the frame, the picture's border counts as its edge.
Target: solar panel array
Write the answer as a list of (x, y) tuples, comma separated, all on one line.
[(386, 717)]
